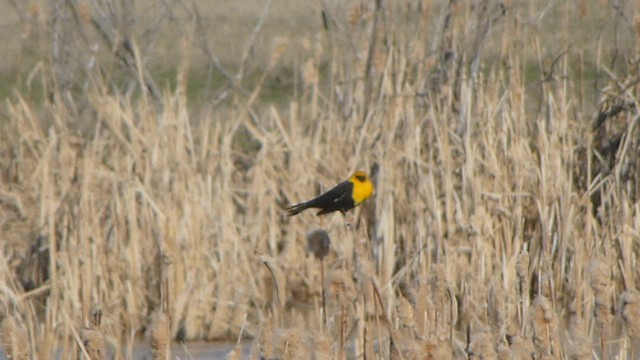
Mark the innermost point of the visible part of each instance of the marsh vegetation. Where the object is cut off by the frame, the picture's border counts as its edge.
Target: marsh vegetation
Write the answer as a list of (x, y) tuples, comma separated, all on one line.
[(149, 150)]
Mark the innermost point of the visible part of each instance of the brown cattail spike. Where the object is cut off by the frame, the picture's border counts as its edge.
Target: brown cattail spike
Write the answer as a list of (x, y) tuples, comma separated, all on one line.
[(318, 243)]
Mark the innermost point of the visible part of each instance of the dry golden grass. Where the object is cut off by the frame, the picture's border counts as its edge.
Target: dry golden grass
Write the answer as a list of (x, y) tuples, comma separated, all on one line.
[(504, 225)]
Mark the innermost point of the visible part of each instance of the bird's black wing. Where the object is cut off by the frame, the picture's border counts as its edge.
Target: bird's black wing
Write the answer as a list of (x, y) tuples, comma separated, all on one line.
[(337, 198)]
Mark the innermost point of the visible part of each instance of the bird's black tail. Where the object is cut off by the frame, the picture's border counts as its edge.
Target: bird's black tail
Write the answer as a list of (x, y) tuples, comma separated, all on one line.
[(297, 209)]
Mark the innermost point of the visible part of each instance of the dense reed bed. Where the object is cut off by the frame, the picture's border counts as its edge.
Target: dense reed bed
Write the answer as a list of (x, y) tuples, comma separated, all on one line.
[(504, 224)]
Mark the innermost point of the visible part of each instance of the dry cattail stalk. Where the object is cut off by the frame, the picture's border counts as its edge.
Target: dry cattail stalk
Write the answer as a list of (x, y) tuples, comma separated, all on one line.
[(93, 342), (440, 304), (442, 350), (160, 337), (340, 287), (522, 268), (92, 338), (414, 351), (629, 310), (265, 339), (520, 347), (405, 312), (481, 346), (292, 344), (497, 309), (425, 313), (504, 352), (600, 282), (578, 346), (16, 340), (96, 316), (322, 346), (318, 243), (395, 351), (544, 324)]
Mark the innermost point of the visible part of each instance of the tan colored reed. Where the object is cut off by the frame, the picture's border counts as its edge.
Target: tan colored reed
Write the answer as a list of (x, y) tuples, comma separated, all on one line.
[(629, 309), (160, 336), (94, 343), (544, 324), (15, 340), (497, 198), (600, 282)]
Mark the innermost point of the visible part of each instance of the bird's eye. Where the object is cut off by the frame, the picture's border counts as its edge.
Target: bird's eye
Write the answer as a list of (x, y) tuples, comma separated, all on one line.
[(361, 178)]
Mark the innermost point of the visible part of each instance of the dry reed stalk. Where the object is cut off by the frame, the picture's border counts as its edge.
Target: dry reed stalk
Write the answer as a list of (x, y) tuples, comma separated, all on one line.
[(439, 349), (322, 344), (160, 336), (497, 311), (342, 332), (503, 352), (266, 338), (15, 339), (146, 162), (522, 271), (93, 342), (544, 324), (444, 310), (600, 283), (290, 344), (481, 346), (520, 348), (577, 345), (629, 310), (92, 337), (405, 313)]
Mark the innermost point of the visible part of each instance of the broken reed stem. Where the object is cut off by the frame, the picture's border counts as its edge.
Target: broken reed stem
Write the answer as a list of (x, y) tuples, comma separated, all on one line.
[(279, 284)]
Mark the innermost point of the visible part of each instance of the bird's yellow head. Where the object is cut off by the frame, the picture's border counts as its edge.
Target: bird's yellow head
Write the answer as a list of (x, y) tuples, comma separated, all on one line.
[(362, 187)]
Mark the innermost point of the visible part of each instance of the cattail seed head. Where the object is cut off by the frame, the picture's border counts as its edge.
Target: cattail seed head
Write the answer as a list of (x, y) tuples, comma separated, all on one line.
[(629, 309), (318, 243)]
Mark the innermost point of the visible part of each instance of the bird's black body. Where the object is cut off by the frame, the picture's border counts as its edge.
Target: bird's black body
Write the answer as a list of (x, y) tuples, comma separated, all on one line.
[(337, 198)]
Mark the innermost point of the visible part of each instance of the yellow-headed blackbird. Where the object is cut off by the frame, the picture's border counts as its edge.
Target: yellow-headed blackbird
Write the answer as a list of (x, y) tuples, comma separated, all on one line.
[(342, 197)]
